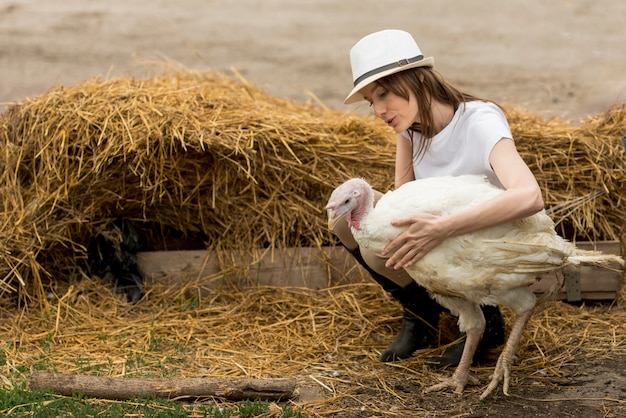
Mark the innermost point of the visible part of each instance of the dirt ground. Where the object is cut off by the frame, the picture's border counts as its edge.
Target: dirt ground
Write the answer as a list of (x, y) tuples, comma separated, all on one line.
[(559, 58)]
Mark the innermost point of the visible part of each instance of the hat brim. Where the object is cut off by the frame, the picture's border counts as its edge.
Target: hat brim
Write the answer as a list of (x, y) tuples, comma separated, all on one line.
[(355, 96)]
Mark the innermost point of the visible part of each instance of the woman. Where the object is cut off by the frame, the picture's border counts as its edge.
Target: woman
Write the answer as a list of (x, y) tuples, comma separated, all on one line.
[(440, 131)]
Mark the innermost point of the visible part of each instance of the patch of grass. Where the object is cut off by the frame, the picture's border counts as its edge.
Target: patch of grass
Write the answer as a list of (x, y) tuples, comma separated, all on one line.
[(249, 409)]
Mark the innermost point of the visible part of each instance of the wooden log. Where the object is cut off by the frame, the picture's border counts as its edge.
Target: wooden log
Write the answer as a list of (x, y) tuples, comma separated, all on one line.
[(235, 389)]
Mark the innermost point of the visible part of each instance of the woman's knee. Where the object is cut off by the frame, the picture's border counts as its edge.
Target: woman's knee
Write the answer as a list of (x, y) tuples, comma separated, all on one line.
[(377, 263)]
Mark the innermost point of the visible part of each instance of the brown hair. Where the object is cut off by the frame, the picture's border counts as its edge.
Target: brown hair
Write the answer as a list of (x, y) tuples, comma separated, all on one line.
[(427, 85)]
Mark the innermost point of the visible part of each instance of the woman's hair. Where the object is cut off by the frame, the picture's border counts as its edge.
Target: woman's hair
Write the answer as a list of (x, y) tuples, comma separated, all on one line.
[(426, 84)]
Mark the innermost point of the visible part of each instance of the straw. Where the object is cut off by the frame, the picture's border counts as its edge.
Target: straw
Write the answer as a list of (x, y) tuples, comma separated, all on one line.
[(329, 340), (209, 159)]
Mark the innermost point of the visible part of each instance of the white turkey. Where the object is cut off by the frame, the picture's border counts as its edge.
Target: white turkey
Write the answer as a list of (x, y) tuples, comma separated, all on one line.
[(492, 266)]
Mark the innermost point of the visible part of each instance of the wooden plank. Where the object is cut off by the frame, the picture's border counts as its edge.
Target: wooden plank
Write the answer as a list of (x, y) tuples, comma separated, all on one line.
[(295, 267), (314, 268), (608, 247), (595, 284)]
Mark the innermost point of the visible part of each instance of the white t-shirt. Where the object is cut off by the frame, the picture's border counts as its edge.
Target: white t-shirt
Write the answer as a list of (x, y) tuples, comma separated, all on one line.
[(464, 145)]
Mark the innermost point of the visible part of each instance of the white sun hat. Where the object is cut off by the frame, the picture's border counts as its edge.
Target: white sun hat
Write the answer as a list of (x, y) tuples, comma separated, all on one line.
[(380, 54)]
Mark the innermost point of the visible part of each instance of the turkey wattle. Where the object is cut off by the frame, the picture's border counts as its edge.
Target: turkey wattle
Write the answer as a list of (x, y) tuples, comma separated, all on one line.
[(492, 266)]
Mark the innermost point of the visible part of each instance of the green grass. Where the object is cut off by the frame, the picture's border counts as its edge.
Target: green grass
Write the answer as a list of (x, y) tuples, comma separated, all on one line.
[(16, 401)]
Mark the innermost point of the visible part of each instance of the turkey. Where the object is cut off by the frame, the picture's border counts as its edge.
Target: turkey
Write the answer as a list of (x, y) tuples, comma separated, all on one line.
[(492, 266)]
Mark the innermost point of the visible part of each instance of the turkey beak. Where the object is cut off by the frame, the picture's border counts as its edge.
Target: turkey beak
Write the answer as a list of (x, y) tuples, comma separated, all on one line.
[(332, 218)]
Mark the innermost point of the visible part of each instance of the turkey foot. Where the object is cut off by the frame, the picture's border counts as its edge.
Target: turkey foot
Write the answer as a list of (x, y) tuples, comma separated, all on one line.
[(502, 372), (461, 376), (456, 382)]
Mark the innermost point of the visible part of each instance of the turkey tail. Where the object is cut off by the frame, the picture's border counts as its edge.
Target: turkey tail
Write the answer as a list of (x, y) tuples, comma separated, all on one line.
[(526, 257), (595, 258)]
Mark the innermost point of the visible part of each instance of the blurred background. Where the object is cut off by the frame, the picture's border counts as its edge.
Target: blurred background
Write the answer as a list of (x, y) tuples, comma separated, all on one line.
[(560, 58)]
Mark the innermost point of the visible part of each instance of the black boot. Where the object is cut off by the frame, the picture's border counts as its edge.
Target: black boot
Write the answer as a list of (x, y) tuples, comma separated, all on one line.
[(492, 338), (420, 322), (420, 318)]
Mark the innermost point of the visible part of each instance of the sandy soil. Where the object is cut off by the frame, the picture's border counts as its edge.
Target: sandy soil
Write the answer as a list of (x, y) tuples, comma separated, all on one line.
[(560, 57)]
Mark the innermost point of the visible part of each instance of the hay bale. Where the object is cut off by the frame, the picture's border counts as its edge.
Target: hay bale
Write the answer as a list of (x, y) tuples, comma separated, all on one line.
[(200, 154), (581, 170), (213, 158)]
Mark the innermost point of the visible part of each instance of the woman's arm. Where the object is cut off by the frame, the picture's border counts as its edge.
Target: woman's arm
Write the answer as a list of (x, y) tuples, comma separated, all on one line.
[(404, 161), (521, 198)]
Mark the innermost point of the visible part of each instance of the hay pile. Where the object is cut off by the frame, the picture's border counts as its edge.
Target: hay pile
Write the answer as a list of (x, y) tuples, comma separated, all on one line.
[(197, 154), (581, 170), (207, 157)]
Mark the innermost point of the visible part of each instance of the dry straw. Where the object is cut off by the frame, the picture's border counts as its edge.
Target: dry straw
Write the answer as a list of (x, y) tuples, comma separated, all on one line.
[(211, 157), (329, 340), (581, 170), (200, 154)]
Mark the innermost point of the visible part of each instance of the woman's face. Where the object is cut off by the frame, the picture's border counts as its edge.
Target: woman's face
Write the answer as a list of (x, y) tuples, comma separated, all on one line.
[(396, 111)]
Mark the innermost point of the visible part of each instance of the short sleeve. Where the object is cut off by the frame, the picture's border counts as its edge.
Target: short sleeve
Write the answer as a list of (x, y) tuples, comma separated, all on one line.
[(485, 128)]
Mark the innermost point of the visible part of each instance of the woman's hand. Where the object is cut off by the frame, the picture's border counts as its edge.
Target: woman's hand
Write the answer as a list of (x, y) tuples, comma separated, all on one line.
[(424, 233)]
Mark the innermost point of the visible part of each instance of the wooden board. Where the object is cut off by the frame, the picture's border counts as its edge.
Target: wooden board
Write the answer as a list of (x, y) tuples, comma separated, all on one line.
[(316, 269), (593, 283), (296, 267)]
